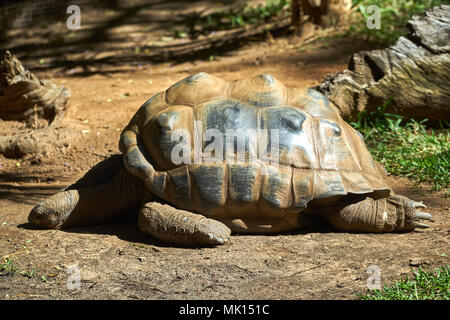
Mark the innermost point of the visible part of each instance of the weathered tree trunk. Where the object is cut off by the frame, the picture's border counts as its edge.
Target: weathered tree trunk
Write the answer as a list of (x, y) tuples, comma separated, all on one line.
[(415, 71), (295, 15), (23, 97), (315, 9)]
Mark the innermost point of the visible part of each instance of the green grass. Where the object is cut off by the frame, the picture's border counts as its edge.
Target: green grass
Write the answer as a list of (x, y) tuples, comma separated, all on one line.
[(394, 15), (9, 265), (407, 148), (29, 274), (425, 285)]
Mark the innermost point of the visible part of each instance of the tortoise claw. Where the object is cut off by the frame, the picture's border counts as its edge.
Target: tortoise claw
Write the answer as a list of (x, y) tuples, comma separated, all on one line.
[(412, 215), (422, 215), (419, 215), (420, 225), (416, 204)]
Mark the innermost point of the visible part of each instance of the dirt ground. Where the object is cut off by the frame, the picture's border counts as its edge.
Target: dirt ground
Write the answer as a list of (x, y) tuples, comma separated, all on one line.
[(117, 261)]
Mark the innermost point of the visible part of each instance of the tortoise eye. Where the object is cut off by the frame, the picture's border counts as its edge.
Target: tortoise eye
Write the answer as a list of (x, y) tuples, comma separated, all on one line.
[(166, 120)]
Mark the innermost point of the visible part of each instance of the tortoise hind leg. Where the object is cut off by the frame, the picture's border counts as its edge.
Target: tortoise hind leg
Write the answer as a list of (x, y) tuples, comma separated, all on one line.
[(395, 213), (181, 227), (106, 190)]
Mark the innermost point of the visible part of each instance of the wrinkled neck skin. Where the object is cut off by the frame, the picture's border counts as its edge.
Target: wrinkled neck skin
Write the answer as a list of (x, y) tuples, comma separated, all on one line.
[(107, 190)]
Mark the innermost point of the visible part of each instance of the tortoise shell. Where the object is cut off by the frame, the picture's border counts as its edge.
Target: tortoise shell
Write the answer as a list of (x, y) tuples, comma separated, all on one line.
[(321, 158)]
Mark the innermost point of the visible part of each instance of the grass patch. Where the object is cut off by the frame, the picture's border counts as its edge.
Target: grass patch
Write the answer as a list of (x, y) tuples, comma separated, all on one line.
[(408, 149), (425, 285), (394, 14), (29, 274), (9, 265)]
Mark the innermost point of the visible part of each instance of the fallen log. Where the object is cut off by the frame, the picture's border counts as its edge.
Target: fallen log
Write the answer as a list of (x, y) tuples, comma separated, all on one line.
[(414, 72), (24, 97), (40, 104)]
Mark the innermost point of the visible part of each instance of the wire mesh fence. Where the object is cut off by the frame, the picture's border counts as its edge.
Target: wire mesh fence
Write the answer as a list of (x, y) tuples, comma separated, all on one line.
[(19, 14)]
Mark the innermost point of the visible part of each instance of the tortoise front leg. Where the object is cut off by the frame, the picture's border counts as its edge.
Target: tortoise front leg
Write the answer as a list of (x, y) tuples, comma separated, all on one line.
[(105, 191), (181, 227), (395, 213)]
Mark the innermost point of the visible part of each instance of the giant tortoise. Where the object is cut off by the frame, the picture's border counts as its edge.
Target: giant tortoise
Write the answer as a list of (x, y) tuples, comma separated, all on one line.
[(193, 183)]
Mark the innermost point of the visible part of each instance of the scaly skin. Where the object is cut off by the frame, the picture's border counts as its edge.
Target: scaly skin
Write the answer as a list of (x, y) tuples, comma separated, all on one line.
[(181, 227), (108, 190), (395, 213)]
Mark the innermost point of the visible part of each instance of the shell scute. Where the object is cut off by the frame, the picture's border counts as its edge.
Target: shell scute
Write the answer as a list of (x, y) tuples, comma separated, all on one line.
[(244, 186), (160, 134), (196, 89), (209, 187), (332, 149), (276, 190), (303, 187), (261, 91), (314, 103), (291, 129), (328, 184), (179, 187)]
